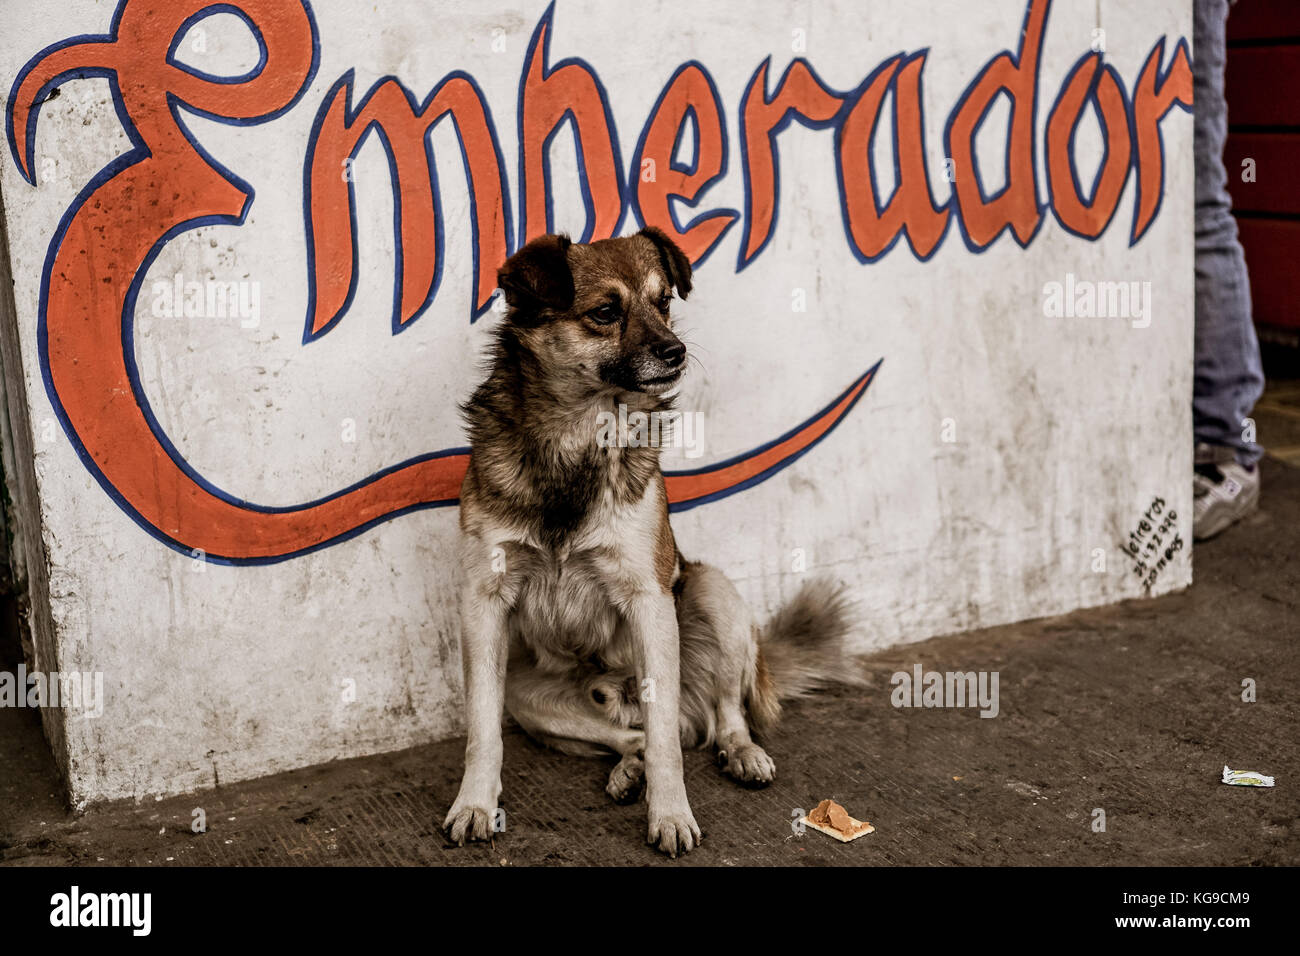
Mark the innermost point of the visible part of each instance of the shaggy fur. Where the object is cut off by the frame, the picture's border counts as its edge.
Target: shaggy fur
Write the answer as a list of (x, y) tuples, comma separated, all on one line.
[(581, 616)]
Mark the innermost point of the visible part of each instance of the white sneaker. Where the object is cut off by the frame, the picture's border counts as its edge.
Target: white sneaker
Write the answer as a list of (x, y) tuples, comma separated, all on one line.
[(1224, 491)]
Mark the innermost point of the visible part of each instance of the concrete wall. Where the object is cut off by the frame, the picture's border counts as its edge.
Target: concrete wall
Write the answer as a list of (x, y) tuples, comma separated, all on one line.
[(232, 373)]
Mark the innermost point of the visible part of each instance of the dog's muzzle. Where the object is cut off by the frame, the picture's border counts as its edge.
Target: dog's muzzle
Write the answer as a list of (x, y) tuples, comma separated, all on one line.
[(662, 366)]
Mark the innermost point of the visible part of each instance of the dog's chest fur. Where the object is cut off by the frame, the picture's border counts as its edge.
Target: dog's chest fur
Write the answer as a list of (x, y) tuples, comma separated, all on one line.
[(579, 527), (567, 594), (563, 611)]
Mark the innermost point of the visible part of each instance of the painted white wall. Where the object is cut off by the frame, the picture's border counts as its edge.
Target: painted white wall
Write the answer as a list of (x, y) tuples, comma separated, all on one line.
[(1065, 428)]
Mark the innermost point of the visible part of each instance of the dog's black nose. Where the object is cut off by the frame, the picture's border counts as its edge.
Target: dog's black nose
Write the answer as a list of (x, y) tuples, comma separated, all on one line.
[(670, 353)]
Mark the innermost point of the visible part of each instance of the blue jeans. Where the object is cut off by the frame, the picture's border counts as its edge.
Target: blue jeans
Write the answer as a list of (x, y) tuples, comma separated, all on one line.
[(1229, 375)]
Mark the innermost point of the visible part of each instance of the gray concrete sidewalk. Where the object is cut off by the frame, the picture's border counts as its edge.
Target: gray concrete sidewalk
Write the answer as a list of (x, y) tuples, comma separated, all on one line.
[(1132, 709)]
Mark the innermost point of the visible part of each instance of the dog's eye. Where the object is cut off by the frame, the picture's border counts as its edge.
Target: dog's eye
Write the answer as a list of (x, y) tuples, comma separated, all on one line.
[(606, 315), (664, 301)]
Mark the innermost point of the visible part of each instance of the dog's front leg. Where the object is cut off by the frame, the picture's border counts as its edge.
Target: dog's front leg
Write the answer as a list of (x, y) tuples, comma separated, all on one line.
[(484, 644), (652, 621)]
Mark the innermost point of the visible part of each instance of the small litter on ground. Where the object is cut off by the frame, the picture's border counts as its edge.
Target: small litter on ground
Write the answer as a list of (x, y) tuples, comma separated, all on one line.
[(1245, 778), (833, 820)]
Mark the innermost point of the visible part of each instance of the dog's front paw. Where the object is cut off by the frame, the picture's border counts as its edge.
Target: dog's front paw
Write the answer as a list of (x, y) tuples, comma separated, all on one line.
[(674, 832), (469, 823), (749, 763), (625, 779)]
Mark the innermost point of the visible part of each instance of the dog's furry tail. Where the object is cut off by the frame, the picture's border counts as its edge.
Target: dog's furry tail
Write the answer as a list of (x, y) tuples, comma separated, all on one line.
[(803, 647)]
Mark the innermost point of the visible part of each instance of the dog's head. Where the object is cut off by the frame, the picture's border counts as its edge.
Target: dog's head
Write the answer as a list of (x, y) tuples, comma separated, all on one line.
[(598, 314)]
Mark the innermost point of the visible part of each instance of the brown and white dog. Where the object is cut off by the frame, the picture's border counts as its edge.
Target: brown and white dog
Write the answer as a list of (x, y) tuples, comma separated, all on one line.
[(579, 614)]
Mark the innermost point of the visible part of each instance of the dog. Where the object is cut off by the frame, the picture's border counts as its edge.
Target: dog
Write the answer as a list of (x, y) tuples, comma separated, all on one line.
[(579, 614)]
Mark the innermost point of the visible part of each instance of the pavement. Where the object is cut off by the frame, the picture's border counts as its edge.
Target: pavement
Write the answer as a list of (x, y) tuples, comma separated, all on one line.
[(1114, 726)]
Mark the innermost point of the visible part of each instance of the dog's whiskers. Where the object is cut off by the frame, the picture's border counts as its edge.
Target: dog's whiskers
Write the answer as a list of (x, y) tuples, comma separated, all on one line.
[(691, 357), (692, 352)]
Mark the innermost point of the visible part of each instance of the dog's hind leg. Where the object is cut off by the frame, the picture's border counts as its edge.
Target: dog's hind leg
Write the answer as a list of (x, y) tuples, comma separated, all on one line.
[(556, 711), (716, 624), (627, 777)]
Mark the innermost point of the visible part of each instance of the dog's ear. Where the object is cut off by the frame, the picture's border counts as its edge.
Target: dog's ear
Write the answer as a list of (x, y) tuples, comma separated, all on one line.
[(538, 277), (676, 265)]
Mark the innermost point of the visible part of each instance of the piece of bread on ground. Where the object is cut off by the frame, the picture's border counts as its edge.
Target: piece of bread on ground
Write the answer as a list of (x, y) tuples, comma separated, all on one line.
[(833, 820)]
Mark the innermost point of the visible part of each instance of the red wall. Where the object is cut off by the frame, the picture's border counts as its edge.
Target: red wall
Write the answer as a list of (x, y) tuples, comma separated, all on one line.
[(1263, 88)]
